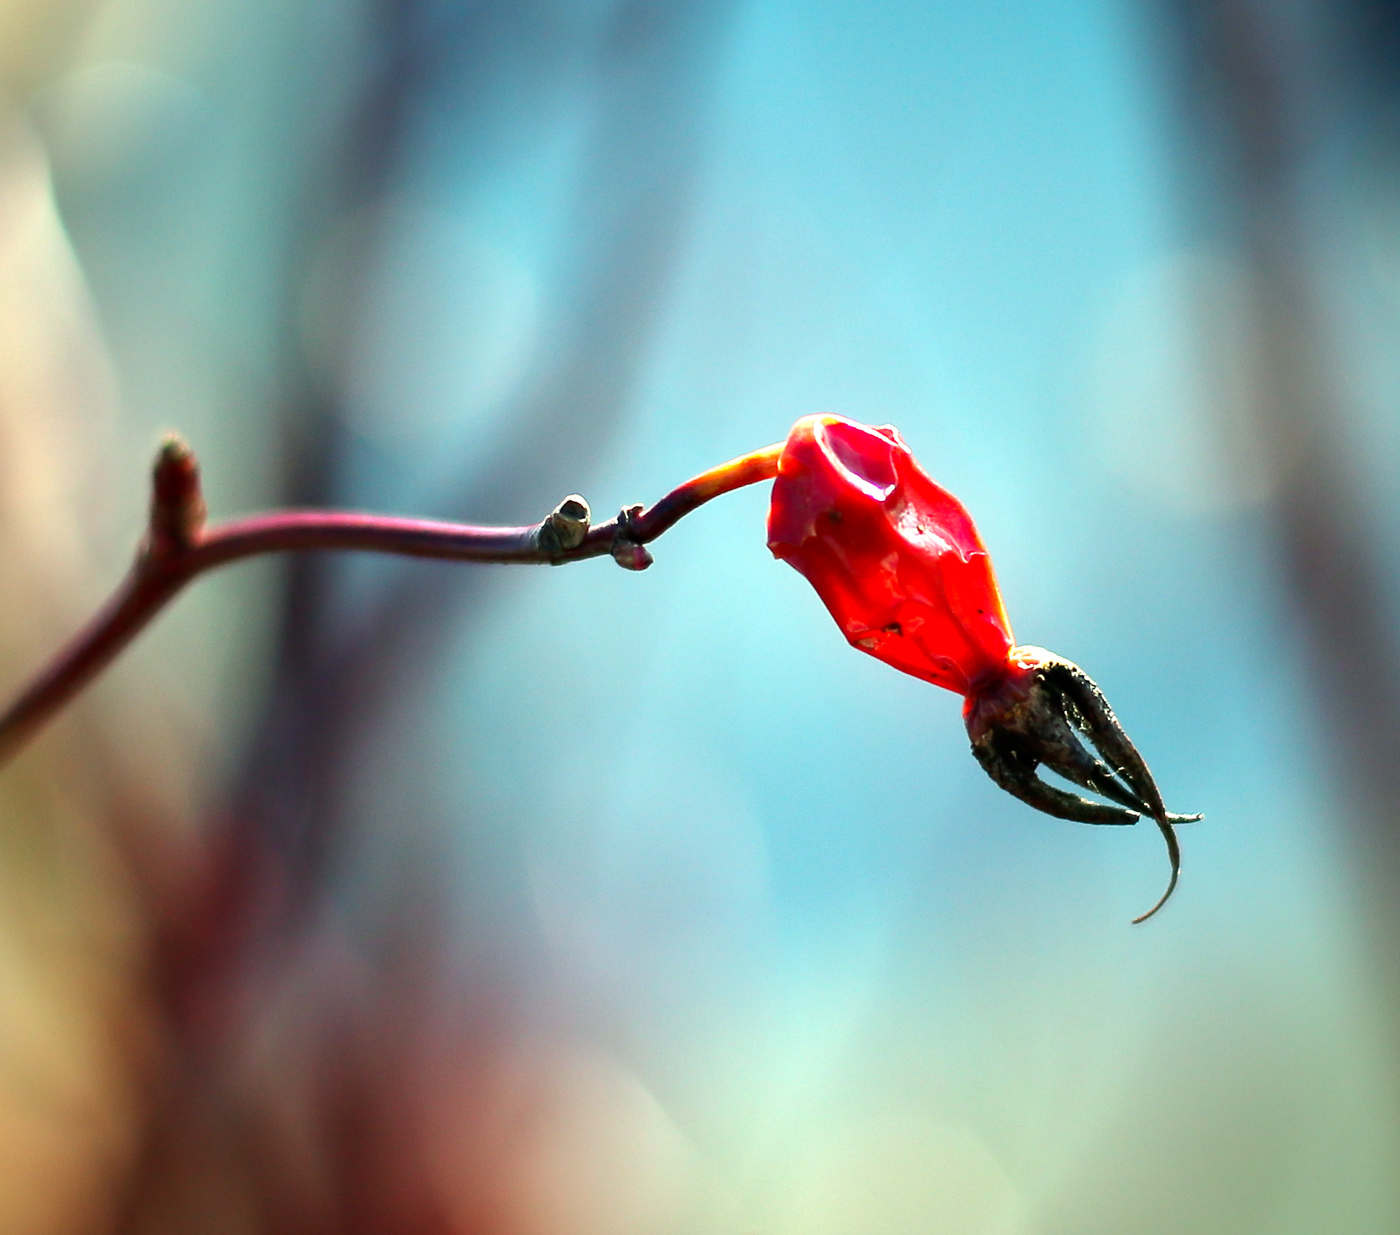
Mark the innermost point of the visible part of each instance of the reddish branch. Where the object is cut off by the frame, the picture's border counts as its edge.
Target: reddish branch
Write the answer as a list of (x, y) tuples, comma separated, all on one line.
[(178, 548)]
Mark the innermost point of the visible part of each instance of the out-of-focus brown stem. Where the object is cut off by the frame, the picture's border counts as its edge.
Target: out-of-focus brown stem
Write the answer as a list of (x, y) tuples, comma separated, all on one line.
[(178, 548)]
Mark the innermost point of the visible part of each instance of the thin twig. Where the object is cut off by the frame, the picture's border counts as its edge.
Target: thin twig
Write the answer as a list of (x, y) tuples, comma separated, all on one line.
[(178, 548)]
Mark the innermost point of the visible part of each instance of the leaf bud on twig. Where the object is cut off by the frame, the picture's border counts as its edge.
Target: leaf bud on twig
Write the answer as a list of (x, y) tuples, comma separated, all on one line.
[(627, 552), (566, 526), (177, 503)]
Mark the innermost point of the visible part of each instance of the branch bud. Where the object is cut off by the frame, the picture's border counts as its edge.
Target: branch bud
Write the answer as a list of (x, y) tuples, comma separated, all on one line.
[(177, 503), (628, 553), (566, 526)]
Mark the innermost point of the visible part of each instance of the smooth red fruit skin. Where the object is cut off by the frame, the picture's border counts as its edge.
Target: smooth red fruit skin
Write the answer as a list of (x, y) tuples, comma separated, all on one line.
[(893, 555)]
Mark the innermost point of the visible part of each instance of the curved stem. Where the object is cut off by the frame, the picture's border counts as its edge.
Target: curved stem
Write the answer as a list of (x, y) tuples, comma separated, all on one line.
[(178, 548)]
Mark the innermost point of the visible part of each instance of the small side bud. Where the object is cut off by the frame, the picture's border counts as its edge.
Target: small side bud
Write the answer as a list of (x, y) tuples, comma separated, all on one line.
[(177, 503), (628, 553), (566, 526)]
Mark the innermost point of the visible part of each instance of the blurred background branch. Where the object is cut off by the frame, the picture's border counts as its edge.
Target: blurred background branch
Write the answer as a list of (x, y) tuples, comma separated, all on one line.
[(1260, 92)]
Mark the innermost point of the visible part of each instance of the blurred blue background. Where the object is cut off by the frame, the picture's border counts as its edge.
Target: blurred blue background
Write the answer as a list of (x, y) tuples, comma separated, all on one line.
[(405, 897)]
